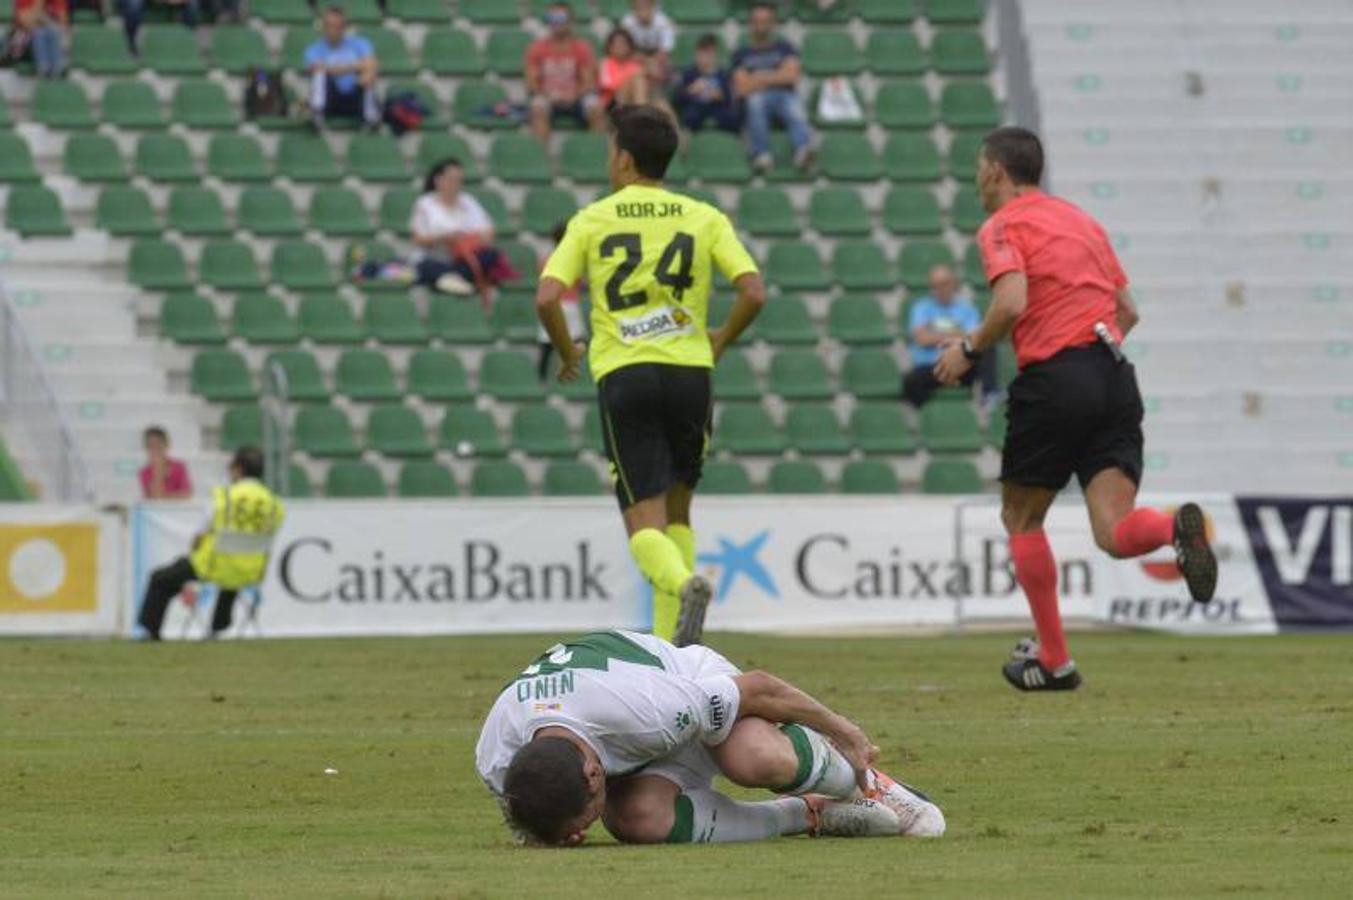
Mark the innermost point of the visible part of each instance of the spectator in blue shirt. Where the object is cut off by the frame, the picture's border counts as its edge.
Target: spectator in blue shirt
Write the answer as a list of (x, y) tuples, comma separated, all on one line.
[(706, 91), (766, 76), (936, 319), (342, 69)]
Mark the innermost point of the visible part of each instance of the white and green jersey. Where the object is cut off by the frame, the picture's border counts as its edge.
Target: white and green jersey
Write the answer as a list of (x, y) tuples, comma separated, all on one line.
[(633, 698)]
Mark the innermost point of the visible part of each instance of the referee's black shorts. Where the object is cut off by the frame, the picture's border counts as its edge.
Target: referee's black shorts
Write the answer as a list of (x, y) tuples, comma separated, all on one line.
[(656, 421), (1078, 412)]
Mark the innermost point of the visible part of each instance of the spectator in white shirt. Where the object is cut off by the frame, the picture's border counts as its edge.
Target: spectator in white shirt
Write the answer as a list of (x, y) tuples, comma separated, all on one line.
[(654, 37), (455, 237)]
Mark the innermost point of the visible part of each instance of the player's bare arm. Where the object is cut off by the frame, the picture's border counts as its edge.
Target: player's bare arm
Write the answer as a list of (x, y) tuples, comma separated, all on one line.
[(549, 296), (1009, 297), (751, 299), (1126, 312)]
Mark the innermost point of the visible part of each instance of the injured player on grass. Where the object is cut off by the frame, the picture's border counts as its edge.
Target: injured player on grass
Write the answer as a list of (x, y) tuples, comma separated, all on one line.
[(629, 729)]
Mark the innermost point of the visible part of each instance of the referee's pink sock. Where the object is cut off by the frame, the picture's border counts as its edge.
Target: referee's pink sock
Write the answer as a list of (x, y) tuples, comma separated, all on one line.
[(1036, 572), (1142, 531)]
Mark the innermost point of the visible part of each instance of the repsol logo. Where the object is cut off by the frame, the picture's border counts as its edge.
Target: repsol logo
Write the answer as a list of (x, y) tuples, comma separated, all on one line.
[(308, 572), (1173, 611)]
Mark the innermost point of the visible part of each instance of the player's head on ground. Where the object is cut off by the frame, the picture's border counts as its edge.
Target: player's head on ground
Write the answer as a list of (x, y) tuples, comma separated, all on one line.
[(643, 141), (554, 789), (246, 463), (1010, 161)]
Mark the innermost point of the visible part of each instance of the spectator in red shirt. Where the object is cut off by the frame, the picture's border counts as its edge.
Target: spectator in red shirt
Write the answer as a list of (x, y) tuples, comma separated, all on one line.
[(41, 26), (1075, 408), (561, 76), (162, 477)]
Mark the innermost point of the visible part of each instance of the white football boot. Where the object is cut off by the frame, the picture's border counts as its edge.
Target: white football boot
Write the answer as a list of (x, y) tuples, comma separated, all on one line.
[(850, 818), (916, 815)]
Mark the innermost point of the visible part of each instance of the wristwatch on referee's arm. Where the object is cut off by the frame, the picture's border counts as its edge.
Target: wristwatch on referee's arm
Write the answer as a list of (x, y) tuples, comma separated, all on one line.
[(970, 353)]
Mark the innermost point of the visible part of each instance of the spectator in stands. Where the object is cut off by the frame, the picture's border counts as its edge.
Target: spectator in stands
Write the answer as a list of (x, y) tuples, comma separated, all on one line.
[(132, 10), (342, 69), (705, 93), (561, 76), (572, 309), (622, 79), (41, 27), (766, 73), (654, 38), (935, 320), (162, 477), (454, 236)]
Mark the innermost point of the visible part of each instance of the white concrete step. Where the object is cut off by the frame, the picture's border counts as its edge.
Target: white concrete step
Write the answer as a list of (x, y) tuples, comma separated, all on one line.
[(86, 385)]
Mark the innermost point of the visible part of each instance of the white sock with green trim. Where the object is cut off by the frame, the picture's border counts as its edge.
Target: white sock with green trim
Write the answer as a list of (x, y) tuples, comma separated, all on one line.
[(822, 768), (704, 816)]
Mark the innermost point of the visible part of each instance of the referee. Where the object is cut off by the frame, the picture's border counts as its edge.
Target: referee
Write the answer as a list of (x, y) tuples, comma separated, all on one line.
[(648, 255), (1059, 291)]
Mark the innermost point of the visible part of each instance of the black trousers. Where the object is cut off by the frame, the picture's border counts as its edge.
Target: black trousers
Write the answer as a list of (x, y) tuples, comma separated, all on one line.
[(165, 584), (920, 382)]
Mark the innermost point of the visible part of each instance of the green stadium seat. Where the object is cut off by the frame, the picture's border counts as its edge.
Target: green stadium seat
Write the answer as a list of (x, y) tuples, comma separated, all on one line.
[(490, 12), (723, 478), (969, 105), (838, 212), (298, 483), (326, 318), (800, 375), (238, 48), (189, 318), (912, 211), (475, 102), (237, 158), (300, 266), (545, 207), (283, 12), (229, 265), (962, 156), (261, 318), (395, 430), (438, 377), (203, 105), (894, 51), (35, 211), (499, 478), (393, 319), (796, 476), (698, 12), (569, 478), (457, 320), (950, 428), (918, 257), (171, 50), (221, 376), (734, 378), (582, 9), (425, 479), (683, 54), (813, 429), (510, 376), (505, 51), (100, 51), (880, 428), (295, 41), (767, 212), (947, 12), (267, 212), (353, 480), (197, 212), (748, 429), (165, 158), (431, 12), (467, 432), (522, 257), (974, 273), (93, 158), (720, 305), (592, 437), (951, 476), (911, 157), (514, 316), (125, 212), (886, 12), (858, 319), (373, 250), (869, 476), (541, 430), (997, 420), (376, 158), (860, 265), (967, 214), (831, 51), (157, 265), (786, 320), (871, 374), (452, 53), (849, 157), (391, 52), (904, 105), (338, 212), (583, 158), (61, 104), (132, 105), (365, 13), (436, 118), (719, 157), (306, 159), (796, 266), (433, 148), (242, 426), (396, 209), (305, 382), (839, 12), (6, 120), (582, 389), (959, 52), (16, 160), (519, 158)]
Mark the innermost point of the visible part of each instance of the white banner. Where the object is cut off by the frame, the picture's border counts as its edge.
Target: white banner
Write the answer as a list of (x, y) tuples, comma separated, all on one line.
[(806, 564), (60, 570)]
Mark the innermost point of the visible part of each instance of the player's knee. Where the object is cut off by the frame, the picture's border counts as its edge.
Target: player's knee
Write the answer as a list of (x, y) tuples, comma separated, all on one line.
[(1018, 521), (640, 819)]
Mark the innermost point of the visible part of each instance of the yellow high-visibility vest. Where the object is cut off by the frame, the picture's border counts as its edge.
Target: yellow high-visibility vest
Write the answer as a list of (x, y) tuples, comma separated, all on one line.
[(234, 554)]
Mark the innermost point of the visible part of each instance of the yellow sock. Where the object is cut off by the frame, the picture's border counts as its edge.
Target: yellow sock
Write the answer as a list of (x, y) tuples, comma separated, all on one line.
[(684, 538), (667, 607), (660, 561)]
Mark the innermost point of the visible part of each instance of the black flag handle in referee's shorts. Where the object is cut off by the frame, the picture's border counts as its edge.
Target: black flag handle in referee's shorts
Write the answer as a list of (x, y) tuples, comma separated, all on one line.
[(1106, 338)]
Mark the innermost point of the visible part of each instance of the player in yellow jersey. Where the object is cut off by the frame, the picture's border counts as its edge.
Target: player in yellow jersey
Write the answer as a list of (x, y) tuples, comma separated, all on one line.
[(649, 256)]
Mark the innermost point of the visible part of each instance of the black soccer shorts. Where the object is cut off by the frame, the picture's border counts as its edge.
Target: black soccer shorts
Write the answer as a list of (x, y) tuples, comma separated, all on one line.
[(656, 421), (1078, 412)]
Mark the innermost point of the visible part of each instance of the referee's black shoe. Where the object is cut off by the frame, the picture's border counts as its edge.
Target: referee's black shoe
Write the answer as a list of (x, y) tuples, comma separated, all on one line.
[(1197, 562), (1031, 675)]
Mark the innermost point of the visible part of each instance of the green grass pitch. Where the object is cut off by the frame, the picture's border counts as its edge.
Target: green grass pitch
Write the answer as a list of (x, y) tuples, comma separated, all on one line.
[(1186, 767)]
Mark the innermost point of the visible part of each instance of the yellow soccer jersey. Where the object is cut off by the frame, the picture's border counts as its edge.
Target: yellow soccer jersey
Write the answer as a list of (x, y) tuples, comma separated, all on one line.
[(649, 256)]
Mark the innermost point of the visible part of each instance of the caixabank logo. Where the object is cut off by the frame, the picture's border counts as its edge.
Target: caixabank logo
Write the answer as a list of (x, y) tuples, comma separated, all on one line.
[(49, 568), (1303, 548)]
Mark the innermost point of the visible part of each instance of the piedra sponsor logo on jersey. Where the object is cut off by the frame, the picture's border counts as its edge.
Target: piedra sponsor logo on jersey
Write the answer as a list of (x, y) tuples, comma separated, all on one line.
[(665, 321)]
